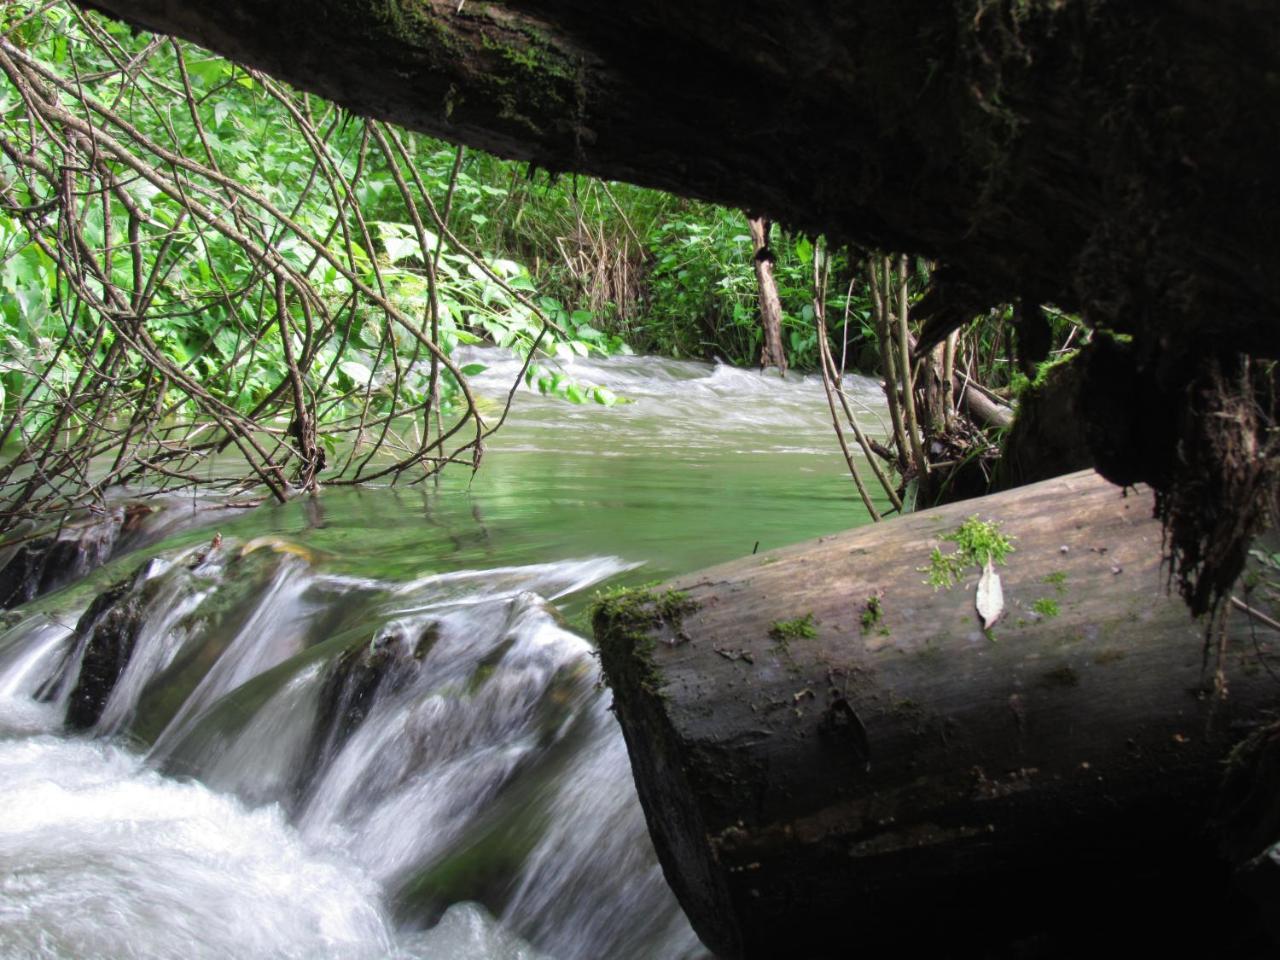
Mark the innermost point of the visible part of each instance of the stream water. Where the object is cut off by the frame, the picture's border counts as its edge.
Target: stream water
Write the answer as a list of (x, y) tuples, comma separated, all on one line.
[(369, 724)]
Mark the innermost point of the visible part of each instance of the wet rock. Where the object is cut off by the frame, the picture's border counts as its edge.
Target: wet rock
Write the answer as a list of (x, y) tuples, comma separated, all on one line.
[(208, 631), (107, 633), (104, 639), (45, 563), (354, 682)]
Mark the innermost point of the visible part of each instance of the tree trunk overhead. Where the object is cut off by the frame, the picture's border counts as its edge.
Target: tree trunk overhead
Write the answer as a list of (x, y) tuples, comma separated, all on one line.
[(1032, 145), (831, 752)]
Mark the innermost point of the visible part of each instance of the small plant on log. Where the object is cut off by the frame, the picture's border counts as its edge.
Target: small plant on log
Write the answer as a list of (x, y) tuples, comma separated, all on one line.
[(872, 613), (977, 542), (1046, 607), (1057, 580), (800, 628)]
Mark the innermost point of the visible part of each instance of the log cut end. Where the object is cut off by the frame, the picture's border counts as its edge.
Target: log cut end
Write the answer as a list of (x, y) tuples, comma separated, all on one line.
[(629, 626), (829, 746)]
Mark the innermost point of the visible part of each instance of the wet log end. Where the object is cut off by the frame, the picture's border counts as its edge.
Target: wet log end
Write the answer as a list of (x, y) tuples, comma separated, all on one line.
[(828, 747)]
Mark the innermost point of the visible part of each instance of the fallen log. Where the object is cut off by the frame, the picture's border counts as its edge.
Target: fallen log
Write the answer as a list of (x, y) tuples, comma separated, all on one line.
[(985, 410), (833, 754)]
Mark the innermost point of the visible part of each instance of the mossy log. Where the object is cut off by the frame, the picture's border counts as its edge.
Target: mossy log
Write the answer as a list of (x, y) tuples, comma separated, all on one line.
[(832, 753)]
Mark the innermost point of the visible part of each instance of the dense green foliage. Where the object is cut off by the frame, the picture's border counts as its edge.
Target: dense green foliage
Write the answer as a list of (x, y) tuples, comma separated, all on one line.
[(194, 258), (665, 274)]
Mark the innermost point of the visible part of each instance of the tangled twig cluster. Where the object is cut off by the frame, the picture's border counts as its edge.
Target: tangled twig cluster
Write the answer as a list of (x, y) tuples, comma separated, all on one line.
[(123, 212)]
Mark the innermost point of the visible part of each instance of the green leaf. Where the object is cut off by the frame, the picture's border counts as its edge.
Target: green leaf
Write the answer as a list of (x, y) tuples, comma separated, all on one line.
[(357, 371), (471, 369)]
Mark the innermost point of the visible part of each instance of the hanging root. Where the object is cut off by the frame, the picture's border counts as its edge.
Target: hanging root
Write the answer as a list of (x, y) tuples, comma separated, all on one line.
[(1226, 484)]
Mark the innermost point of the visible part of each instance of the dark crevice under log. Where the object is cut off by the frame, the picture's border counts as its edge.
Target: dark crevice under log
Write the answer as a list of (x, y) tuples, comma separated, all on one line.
[(899, 780)]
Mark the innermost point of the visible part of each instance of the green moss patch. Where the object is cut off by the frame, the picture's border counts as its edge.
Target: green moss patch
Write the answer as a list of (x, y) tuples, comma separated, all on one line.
[(1057, 580), (1046, 607), (626, 622), (782, 632), (872, 614)]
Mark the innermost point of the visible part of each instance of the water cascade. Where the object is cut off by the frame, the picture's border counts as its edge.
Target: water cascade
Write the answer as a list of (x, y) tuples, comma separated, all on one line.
[(265, 745)]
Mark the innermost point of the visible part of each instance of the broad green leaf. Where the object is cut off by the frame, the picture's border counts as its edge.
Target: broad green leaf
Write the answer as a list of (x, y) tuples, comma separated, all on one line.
[(357, 371)]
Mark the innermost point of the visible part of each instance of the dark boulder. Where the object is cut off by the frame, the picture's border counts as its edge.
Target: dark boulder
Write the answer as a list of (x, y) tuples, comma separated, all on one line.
[(107, 634), (45, 563), (353, 683)]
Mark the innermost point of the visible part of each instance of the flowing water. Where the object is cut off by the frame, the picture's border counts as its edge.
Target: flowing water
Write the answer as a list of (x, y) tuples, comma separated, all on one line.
[(369, 724)]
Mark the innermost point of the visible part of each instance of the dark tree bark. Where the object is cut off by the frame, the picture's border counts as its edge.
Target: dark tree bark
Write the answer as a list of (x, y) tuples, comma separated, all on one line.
[(772, 353), (831, 754)]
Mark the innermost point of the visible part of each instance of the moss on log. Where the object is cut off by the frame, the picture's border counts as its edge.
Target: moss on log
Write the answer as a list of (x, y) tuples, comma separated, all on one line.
[(904, 779)]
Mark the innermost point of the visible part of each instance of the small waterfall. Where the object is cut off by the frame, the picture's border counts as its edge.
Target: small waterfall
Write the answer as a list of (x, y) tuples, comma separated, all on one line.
[(105, 858), (296, 745), (368, 769), (271, 632)]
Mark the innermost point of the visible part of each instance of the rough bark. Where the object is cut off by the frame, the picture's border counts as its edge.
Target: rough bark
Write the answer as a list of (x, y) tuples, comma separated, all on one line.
[(899, 780), (771, 353)]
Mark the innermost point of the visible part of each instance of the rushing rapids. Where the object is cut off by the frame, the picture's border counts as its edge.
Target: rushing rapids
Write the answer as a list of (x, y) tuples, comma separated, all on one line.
[(361, 735)]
